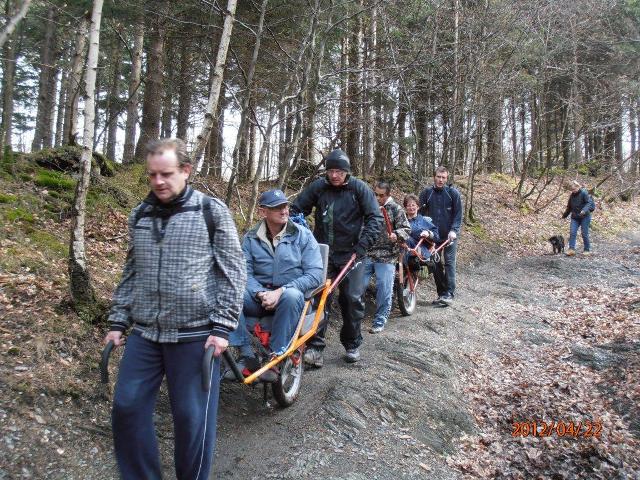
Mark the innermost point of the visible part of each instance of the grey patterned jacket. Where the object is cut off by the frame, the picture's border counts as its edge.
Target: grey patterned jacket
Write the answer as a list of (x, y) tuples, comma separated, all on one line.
[(385, 251), (178, 284)]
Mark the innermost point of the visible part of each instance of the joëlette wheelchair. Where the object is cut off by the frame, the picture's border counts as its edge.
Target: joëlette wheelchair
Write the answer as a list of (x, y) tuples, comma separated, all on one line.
[(407, 276), (290, 365)]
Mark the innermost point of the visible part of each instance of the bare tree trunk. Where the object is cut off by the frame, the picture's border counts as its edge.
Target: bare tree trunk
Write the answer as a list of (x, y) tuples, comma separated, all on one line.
[(212, 103), (403, 153), (369, 94), (215, 145), (75, 82), (185, 90), (282, 136), (82, 291), (8, 83), (494, 136), (167, 100), (343, 110), (134, 86), (152, 102), (14, 19), (62, 101), (42, 135), (251, 156), (514, 135), (112, 110), (354, 115), (633, 133), (246, 104)]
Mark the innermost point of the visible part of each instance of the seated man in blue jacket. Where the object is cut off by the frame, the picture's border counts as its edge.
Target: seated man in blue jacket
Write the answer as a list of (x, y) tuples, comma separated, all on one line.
[(283, 262)]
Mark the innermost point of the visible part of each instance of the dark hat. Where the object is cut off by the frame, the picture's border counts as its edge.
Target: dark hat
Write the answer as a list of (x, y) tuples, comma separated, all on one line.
[(272, 198), (338, 159)]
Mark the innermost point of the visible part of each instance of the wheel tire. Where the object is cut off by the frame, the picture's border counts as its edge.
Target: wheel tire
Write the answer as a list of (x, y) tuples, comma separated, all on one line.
[(407, 300), (287, 388)]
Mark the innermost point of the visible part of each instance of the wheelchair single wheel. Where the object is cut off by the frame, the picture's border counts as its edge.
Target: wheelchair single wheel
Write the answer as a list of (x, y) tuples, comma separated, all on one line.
[(407, 299), (286, 389)]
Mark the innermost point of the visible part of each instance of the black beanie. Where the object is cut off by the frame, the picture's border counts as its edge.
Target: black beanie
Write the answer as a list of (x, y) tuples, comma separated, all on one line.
[(338, 159)]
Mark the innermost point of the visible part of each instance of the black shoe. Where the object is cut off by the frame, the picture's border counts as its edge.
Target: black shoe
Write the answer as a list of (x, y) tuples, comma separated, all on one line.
[(437, 302)]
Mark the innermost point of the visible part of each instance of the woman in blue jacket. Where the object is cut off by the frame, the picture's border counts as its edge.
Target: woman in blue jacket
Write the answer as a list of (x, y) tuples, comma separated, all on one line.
[(421, 227), (580, 205)]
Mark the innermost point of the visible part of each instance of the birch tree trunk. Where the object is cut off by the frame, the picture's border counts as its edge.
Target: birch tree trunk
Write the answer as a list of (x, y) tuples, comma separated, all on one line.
[(11, 25), (214, 92), (134, 87), (62, 100), (75, 83), (82, 291), (8, 80)]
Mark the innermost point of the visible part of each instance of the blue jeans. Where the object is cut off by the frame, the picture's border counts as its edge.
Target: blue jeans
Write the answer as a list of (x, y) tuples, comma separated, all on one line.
[(285, 316), (194, 410), (385, 273), (582, 223), (445, 275)]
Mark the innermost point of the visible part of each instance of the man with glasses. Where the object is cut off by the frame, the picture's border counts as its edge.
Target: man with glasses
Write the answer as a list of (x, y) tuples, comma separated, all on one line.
[(347, 218)]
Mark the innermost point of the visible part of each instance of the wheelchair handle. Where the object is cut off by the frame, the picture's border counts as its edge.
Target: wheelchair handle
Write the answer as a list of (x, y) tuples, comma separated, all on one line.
[(343, 273), (104, 362), (207, 364)]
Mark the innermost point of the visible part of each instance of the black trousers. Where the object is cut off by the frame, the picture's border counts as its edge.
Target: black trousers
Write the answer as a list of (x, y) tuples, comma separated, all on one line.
[(351, 304)]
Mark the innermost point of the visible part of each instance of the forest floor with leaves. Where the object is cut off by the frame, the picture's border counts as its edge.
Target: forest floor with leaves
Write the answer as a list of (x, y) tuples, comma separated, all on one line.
[(531, 337)]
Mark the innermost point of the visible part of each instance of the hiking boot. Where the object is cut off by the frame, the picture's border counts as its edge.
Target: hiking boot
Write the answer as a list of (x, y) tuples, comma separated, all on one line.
[(352, 355), (313, 357), (376, 329), (446, 300), (570, 253)]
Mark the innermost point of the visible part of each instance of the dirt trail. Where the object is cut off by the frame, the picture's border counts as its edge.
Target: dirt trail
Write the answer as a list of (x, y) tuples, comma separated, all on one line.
[(400, 411)]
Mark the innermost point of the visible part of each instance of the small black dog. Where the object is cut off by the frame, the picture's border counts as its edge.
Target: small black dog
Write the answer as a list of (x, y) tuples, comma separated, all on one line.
[(558, 243)]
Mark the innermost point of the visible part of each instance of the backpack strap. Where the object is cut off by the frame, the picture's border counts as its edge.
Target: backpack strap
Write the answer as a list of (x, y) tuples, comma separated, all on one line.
[(207, 212), (140, 213)]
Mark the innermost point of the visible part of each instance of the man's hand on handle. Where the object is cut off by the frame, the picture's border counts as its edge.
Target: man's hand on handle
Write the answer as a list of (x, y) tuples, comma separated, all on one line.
[(220, 344), (114, 336)]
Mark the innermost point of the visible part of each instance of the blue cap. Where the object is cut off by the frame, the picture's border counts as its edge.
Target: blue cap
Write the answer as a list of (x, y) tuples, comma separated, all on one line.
[(272, 198)]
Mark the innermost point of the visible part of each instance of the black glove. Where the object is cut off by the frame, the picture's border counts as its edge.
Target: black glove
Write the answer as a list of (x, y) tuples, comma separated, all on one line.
[(360, 252)]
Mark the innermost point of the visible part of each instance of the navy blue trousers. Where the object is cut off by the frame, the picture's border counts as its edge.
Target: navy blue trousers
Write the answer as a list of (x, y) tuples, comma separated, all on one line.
[(194, 411)]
